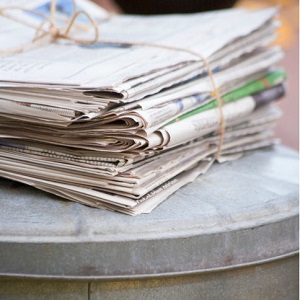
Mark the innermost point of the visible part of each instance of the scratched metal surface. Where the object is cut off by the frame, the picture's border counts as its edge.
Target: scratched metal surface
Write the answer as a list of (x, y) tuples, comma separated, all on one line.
[(240, 213)]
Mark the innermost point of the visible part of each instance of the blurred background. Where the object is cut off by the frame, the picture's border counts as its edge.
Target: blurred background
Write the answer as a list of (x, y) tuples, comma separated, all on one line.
[(288, 37)]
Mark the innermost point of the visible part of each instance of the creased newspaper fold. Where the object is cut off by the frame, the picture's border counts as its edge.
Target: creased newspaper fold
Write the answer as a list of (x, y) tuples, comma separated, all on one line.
[(121, 127)]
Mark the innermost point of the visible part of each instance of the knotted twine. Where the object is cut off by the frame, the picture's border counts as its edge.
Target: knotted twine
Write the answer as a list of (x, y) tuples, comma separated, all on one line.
[(52, 30), (55, 32)]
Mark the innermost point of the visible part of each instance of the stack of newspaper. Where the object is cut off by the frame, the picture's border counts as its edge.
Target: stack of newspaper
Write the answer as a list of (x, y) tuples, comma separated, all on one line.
[(123, 123)]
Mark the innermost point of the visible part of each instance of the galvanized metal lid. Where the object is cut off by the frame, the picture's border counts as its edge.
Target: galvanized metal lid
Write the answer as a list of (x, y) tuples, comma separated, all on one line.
[(243, 212)]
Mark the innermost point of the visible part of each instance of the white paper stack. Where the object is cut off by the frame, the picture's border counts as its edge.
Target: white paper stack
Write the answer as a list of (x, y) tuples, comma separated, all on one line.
[(123, 123)]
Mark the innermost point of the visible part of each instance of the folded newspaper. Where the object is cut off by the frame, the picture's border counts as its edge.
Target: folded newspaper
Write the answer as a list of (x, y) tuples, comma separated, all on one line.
[(124, 122)]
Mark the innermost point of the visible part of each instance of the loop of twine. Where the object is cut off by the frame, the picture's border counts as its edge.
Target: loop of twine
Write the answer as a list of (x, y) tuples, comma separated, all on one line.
[(55, 32), (52, 30)]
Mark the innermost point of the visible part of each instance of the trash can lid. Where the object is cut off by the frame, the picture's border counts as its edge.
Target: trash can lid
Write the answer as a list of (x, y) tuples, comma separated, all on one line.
[(239, 213)]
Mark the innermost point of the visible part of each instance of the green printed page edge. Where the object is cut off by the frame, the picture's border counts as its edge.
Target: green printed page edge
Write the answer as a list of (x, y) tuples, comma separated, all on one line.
[(270, 79)]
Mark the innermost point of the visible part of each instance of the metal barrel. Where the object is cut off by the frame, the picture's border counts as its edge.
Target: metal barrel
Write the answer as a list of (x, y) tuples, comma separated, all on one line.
[(231, 234)]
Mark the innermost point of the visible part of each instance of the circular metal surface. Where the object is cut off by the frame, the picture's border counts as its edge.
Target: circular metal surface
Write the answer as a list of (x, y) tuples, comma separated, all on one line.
[(240, 213)]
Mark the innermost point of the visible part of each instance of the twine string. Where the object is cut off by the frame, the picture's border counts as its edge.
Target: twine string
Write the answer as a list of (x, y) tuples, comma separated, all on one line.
[(48, 26), (215, 93), (55, 32)]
